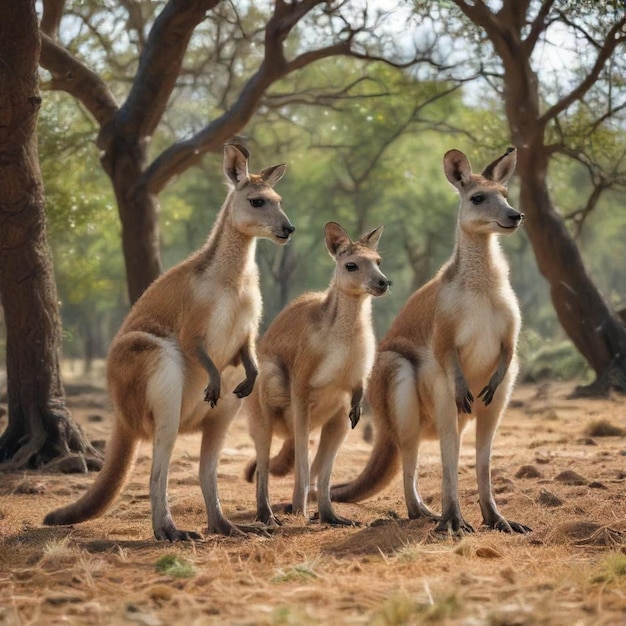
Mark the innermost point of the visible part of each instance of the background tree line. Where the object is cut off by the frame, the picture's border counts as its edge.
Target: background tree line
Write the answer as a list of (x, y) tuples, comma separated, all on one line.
[(361, 102)]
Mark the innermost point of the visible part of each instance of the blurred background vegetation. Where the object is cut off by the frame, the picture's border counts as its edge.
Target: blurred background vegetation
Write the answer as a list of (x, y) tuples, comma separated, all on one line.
[(372, 154)]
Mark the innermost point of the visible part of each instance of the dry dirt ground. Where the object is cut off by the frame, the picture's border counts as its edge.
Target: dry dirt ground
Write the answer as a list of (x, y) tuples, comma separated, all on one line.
[(555, 469)]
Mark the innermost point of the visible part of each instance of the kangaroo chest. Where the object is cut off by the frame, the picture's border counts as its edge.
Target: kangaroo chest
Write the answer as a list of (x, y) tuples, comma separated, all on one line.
[(345, 361), (485, 322), (234, 316)]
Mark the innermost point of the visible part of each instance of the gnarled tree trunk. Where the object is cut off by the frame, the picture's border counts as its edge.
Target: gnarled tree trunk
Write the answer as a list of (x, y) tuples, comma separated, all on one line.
[(40, 427)]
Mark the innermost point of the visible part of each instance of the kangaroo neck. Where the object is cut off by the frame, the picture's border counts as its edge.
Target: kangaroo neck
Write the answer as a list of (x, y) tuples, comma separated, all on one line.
[(477, 259), (228, 253), (347, 311)]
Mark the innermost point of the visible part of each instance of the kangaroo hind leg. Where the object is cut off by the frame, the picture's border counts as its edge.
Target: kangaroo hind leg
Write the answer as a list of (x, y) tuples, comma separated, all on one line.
[(402, 404), (333, 433), (164, 394), (487, 419)]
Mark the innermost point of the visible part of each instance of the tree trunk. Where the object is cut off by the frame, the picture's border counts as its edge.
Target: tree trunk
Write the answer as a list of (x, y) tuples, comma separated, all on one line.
[(40, 427), (124, 161), (596, 331), (593, 327)]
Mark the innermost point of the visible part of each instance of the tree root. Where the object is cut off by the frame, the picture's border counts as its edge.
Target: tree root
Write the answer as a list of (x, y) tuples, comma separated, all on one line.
[(50, 440), (613, 378)]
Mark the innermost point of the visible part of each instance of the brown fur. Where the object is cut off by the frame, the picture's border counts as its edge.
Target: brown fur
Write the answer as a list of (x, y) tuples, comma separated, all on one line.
[(199, 319), (453, 341), (314, 360)]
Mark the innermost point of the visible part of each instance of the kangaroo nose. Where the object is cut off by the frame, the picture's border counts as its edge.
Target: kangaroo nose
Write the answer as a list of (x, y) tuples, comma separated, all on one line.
[(288, 230), (516, 217), (384, 284)]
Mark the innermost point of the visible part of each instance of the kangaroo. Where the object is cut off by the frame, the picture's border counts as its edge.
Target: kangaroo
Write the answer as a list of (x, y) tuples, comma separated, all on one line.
[(314, 360), (196, 320), (454, 339)]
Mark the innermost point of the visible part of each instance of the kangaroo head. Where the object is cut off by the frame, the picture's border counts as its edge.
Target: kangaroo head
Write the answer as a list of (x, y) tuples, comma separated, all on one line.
[(357, 271), (484, 207), (254, 206)]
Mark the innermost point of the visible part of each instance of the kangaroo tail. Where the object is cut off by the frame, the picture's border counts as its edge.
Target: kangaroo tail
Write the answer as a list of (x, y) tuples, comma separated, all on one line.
[(280, 465), (119, 459), (381, 467)]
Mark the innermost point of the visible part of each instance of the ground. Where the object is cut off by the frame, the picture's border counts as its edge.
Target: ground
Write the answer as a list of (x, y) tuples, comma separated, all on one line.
[(555, 469)]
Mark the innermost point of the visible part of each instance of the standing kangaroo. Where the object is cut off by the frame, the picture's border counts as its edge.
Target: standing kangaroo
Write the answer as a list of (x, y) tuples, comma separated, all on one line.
[(314, 360), (454, 339), (195, 321)]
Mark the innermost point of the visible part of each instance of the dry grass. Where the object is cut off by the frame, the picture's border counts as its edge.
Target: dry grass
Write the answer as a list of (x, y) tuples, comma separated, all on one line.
[(388, 571)]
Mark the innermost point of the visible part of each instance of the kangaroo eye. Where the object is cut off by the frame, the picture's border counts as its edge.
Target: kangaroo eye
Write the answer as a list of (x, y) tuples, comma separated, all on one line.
[(256, 202), (478, 198), (352, 267)]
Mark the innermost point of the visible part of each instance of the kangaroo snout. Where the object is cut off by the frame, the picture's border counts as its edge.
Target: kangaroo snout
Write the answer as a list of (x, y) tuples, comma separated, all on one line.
[(286, 231), (380, 286), (512, 220)]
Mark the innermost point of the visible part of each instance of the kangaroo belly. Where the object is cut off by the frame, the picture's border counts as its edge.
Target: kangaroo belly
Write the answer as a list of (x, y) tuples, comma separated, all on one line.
[(233, 319), (479, 340), (325, 404)]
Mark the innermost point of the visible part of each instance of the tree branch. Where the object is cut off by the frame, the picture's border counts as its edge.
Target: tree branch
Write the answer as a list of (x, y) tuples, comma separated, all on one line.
[(70, 75), (160, 64), (538, 26), (274, 66), (51, 17), (613, 39)]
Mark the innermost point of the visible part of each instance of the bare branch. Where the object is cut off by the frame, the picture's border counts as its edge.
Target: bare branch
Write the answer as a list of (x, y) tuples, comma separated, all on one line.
[(274, 66), (51, 17), (613, 39), (70, 75), (160, 64), (538, 26)]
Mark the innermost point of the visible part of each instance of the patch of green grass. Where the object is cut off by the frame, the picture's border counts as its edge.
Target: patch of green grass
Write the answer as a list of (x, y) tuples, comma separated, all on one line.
[(611, 570), (400, 609), (175, 566), (302, 572), (291, 616)]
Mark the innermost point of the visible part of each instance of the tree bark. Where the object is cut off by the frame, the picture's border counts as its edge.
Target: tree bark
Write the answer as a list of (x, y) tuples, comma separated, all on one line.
[(594, 328), (40, 428)]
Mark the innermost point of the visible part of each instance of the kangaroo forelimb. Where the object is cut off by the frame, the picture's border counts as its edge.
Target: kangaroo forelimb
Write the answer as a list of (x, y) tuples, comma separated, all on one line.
[(355, 406), (213, 389), (249, 363)]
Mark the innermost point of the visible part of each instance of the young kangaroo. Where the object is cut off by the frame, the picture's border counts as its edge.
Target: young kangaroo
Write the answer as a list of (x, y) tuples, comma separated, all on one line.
[(313, 363), (197, 320), (454, 339)]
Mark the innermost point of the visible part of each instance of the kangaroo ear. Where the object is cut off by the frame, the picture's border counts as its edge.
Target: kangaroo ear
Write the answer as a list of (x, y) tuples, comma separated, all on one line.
[(371, 239), (501, 170), (457, 168), (337, 239), (271, 175), (236, 164)]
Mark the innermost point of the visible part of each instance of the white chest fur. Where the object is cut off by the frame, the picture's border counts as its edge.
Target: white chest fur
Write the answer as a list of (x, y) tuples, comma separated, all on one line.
[(486, 321), (345, 361), (234, 316)]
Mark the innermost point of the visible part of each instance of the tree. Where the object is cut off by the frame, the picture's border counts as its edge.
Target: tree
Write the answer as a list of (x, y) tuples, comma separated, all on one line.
[(40, 428), (538, 120), (258, 47)]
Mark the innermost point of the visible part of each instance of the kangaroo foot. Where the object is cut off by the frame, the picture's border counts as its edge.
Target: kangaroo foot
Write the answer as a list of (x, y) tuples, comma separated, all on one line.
[(454, 525), (336, 520), (507, 526), (421, 511), (171, 533), (225, 527)]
